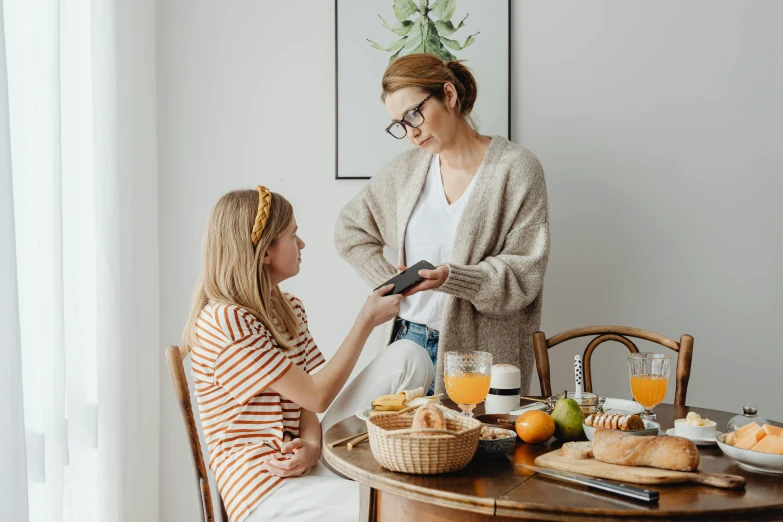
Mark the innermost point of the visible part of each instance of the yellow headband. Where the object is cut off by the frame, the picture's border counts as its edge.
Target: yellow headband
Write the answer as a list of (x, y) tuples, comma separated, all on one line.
[(262, 216)]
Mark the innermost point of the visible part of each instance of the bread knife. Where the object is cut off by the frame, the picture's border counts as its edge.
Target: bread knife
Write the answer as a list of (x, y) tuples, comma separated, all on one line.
[(645, 495)]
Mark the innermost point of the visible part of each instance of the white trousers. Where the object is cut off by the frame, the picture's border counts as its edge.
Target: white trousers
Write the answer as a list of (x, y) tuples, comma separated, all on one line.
[(320, 495)]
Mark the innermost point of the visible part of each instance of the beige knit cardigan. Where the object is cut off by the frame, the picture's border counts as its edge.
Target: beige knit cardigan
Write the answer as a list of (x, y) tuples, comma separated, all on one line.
[(496, 275)]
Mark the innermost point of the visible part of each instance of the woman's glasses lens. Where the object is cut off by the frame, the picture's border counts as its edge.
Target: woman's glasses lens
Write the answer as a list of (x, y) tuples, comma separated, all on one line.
[(397, 130), (414, 118)]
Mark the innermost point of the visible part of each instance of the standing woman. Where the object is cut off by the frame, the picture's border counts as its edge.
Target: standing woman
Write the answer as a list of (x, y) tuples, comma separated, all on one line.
[(474, 206)]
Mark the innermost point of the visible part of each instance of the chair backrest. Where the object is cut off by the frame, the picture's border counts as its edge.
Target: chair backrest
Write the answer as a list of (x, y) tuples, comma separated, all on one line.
[(175, 357), (620, 334)]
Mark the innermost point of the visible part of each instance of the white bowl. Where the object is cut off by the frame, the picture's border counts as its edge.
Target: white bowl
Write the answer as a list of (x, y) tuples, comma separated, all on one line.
[(650, 428), (752, 460), (683, 429)]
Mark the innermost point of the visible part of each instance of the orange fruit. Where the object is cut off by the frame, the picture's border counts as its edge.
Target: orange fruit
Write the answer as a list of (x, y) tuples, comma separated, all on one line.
[(535, 426)]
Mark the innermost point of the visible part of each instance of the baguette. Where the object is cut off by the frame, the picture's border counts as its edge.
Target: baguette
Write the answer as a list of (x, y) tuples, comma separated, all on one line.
[(616, 447), (577, 450)]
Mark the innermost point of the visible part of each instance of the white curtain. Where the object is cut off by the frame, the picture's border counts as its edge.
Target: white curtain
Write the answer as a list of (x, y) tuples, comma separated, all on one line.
[(13, 479), (82, 409)]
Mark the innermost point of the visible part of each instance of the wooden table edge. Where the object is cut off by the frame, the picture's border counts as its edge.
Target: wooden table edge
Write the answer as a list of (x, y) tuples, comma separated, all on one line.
[(538, 512), (484, 506)]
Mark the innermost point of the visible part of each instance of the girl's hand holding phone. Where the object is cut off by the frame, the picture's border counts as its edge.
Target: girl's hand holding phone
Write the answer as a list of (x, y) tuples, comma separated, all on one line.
[(379, 307)]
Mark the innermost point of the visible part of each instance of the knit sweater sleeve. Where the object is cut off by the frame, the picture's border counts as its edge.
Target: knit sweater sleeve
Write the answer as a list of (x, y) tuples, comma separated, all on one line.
[(364, 226), (509, 281)]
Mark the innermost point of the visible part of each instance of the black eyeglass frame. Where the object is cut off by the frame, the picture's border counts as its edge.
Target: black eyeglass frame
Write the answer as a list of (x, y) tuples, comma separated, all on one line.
[(406, 124)]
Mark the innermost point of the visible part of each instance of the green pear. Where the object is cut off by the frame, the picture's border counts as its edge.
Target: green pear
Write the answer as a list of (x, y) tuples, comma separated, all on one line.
[(568, 417)]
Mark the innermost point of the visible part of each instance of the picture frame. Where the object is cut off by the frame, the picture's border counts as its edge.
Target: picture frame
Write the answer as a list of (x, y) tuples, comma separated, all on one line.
[(369, 32)]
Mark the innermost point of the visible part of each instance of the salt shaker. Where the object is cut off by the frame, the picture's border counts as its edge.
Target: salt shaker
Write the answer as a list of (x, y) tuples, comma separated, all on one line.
[(749, 414)]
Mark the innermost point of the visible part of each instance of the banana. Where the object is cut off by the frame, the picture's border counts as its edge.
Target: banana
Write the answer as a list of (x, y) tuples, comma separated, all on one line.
[(391, 402)]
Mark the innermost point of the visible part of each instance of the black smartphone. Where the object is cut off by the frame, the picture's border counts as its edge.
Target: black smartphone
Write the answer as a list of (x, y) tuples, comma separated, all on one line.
[(405, 280)]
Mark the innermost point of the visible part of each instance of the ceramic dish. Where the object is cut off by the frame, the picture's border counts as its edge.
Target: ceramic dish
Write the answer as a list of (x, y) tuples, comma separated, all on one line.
[(494, 448), (622, 406), (364, 413), (752, 460), (708, 441), (531, 406), (651, 428), (683, 429)]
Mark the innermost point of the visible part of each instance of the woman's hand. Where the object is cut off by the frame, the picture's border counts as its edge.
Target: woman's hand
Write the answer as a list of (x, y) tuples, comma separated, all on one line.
[(432, 279), (380, 308), (303, 456)]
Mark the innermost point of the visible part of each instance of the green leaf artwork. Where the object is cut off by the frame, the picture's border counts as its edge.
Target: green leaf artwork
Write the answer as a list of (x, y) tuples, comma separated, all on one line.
[(424, 28)]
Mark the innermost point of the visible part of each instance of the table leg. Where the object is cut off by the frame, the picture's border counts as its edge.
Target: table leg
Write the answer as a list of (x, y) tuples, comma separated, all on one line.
[(367, 504)]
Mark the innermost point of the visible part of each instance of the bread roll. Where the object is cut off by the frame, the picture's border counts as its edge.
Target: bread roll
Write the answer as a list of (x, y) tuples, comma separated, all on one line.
[(428, 416), (616, 447), (635, 422)]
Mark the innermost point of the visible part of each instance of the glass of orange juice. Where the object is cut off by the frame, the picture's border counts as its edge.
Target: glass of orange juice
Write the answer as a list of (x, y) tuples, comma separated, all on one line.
[(467, 376), (649, 373)]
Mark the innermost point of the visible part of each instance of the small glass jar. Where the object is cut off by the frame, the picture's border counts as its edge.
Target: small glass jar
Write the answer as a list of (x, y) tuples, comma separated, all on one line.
[(749, 414), (589, 403)]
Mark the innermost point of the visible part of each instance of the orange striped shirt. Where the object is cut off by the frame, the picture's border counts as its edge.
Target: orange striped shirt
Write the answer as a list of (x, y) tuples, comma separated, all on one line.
[(233, 364)]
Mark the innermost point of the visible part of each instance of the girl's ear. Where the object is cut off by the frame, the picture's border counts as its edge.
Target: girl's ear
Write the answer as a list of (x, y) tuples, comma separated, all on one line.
[(267, 258)]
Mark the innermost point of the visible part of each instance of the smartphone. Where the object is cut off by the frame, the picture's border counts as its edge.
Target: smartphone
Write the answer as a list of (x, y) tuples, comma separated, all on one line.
[(405, 280)]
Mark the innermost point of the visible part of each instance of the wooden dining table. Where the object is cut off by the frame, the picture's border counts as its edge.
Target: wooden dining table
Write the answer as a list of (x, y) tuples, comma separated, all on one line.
[(499, 489)]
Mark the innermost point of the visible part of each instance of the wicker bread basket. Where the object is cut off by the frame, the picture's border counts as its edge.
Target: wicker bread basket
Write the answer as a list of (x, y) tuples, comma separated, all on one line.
[(397, 447)]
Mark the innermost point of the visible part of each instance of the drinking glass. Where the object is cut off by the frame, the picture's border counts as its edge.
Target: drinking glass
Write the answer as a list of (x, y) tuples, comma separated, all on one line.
[(467, 376), (649, 374)]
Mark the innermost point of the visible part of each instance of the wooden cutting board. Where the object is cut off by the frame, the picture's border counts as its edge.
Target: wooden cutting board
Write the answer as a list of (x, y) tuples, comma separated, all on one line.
[(636, 474)]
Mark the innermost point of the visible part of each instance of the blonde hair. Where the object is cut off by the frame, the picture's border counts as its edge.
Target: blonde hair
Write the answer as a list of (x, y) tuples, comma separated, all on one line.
[(430, 73), (232, 270)]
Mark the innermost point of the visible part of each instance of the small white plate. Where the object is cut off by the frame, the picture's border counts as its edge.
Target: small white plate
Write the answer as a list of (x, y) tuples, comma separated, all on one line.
[(699, 442), (650, 428), (622, 407), (364, 413), (526, 407)]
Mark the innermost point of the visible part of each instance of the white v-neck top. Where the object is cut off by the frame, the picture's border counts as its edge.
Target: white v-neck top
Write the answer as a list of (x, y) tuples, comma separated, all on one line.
[(430, 236)]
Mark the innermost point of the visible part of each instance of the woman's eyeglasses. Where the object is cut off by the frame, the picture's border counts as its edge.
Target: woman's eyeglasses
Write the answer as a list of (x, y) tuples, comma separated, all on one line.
[(413, 118)]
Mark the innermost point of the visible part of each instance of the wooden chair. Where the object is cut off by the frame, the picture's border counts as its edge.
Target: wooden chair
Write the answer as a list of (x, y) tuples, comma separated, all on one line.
[(620, 334), (175, 357)]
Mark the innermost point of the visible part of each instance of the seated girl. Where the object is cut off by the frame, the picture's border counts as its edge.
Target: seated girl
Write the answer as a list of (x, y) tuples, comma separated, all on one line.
[(260, 379)]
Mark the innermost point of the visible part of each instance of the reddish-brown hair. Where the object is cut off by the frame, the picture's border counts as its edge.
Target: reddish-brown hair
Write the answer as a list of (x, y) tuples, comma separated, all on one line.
[(430, 73)]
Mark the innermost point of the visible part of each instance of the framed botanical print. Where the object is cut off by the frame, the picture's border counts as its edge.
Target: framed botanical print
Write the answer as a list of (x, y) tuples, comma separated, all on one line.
[(369, 34)]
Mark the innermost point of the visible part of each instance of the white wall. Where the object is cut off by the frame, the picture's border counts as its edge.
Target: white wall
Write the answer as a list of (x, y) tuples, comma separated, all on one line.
[(657, 128), (136, 121), (245, 98), (658, 125)]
